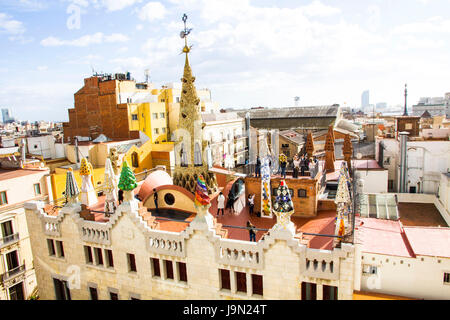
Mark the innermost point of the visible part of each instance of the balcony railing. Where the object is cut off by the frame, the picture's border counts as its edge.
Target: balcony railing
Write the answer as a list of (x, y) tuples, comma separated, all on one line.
[(9, 240), (12, 273)]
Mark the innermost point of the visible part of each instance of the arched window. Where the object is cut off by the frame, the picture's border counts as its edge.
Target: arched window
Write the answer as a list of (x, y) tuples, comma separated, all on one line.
[(183, 156), (135, 159), (197, 155)]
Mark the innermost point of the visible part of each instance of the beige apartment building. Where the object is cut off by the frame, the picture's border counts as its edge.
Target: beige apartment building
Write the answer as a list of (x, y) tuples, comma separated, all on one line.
[(17, 186), (127, 258)]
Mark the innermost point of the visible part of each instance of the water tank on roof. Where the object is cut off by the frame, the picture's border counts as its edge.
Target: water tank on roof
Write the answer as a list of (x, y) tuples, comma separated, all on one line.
[(128, 76)]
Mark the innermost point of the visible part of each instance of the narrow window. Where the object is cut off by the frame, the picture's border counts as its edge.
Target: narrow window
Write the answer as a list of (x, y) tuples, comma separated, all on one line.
[(182, 271), (156, 269), (330, 292), (3, 198), (98, 256), (12, 261), (37, 189), (131, 262), (88, 254), (109, 258), (113, 296), (309, 291), (169, 269), (446, 277), (7, 229), (162, 115), (257, 284), (301, 193), (241, 281), (94, 293), (225, 279), (60, 248), (62, 291), (51, 247)]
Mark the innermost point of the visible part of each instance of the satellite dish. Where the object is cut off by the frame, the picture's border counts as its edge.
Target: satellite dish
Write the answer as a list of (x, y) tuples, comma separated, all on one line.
[(359, 156)]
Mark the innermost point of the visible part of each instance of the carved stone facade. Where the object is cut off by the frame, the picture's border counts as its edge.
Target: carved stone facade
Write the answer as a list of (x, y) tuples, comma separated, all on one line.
[(280, 259)]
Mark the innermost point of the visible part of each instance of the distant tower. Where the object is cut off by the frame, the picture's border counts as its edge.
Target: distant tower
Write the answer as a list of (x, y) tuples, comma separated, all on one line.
[(147, 75), (296, 101), (405, 113), (365, 99)]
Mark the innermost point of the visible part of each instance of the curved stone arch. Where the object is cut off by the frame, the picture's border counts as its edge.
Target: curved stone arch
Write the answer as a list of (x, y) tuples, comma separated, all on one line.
[(182, 139)]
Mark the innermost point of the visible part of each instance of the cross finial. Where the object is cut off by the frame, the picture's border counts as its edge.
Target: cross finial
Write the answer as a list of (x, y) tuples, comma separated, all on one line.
[(185, 33)]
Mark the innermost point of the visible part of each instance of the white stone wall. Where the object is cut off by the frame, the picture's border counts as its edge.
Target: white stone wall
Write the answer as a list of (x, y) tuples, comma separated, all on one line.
[(280, 259), (426, 160), (375, 181), (420, 277)]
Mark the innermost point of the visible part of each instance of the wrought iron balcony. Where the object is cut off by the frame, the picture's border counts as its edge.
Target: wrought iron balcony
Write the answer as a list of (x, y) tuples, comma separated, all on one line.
[(8, 240), (13, 273)]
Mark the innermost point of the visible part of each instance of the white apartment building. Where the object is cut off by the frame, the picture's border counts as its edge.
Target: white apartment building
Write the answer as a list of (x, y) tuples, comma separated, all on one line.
[(426, 161), (17, 186)]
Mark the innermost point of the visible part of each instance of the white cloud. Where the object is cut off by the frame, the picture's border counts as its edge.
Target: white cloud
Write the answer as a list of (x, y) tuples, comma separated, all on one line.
[(42, 68), (318, 9), (152, 11), (84, 41), (431, 25), (10, 26), (115, 5)]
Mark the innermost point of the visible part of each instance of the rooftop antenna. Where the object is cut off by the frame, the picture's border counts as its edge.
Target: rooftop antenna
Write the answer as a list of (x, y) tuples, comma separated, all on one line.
[(147, 75)]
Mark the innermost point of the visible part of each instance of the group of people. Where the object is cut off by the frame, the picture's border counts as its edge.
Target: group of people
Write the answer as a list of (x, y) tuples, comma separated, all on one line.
[(303, 164), (221, 203), (300, 164)]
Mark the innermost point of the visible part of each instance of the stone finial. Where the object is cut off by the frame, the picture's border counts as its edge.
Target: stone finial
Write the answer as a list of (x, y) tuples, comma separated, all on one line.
[(85, 168), (88, 194), (283, 208), (202, 203), (329, 150), (348, 151), (110, 187), (310, 145), (114, 157), (72, 191), (127, 182)]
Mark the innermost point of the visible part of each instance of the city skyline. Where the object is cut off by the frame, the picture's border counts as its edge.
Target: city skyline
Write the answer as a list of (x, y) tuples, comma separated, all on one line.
[(249, 54)]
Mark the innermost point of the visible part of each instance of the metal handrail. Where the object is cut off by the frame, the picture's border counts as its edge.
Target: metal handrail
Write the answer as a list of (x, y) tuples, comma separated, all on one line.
[(11, 273), (9, 239)]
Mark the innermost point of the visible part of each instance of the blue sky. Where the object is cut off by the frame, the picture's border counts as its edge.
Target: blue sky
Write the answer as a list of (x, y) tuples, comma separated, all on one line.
[(249, 53)]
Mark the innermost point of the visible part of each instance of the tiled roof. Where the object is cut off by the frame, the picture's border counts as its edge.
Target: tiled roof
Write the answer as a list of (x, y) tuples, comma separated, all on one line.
[(434, 242), (223, 116), (296, 112), (382, 237)]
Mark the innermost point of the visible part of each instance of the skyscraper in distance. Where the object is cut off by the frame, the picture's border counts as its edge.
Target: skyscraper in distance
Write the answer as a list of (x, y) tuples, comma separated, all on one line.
[(365, 99)]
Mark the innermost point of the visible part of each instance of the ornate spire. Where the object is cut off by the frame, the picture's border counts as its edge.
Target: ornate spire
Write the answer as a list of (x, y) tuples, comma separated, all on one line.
[(110, 187), (72, 190), (329, 150), (310, 145), (88, 194), (283, 208), (190, 163), (348, 150)]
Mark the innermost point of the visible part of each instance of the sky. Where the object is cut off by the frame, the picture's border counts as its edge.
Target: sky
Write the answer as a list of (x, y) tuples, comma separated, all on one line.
[(249, 53)]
